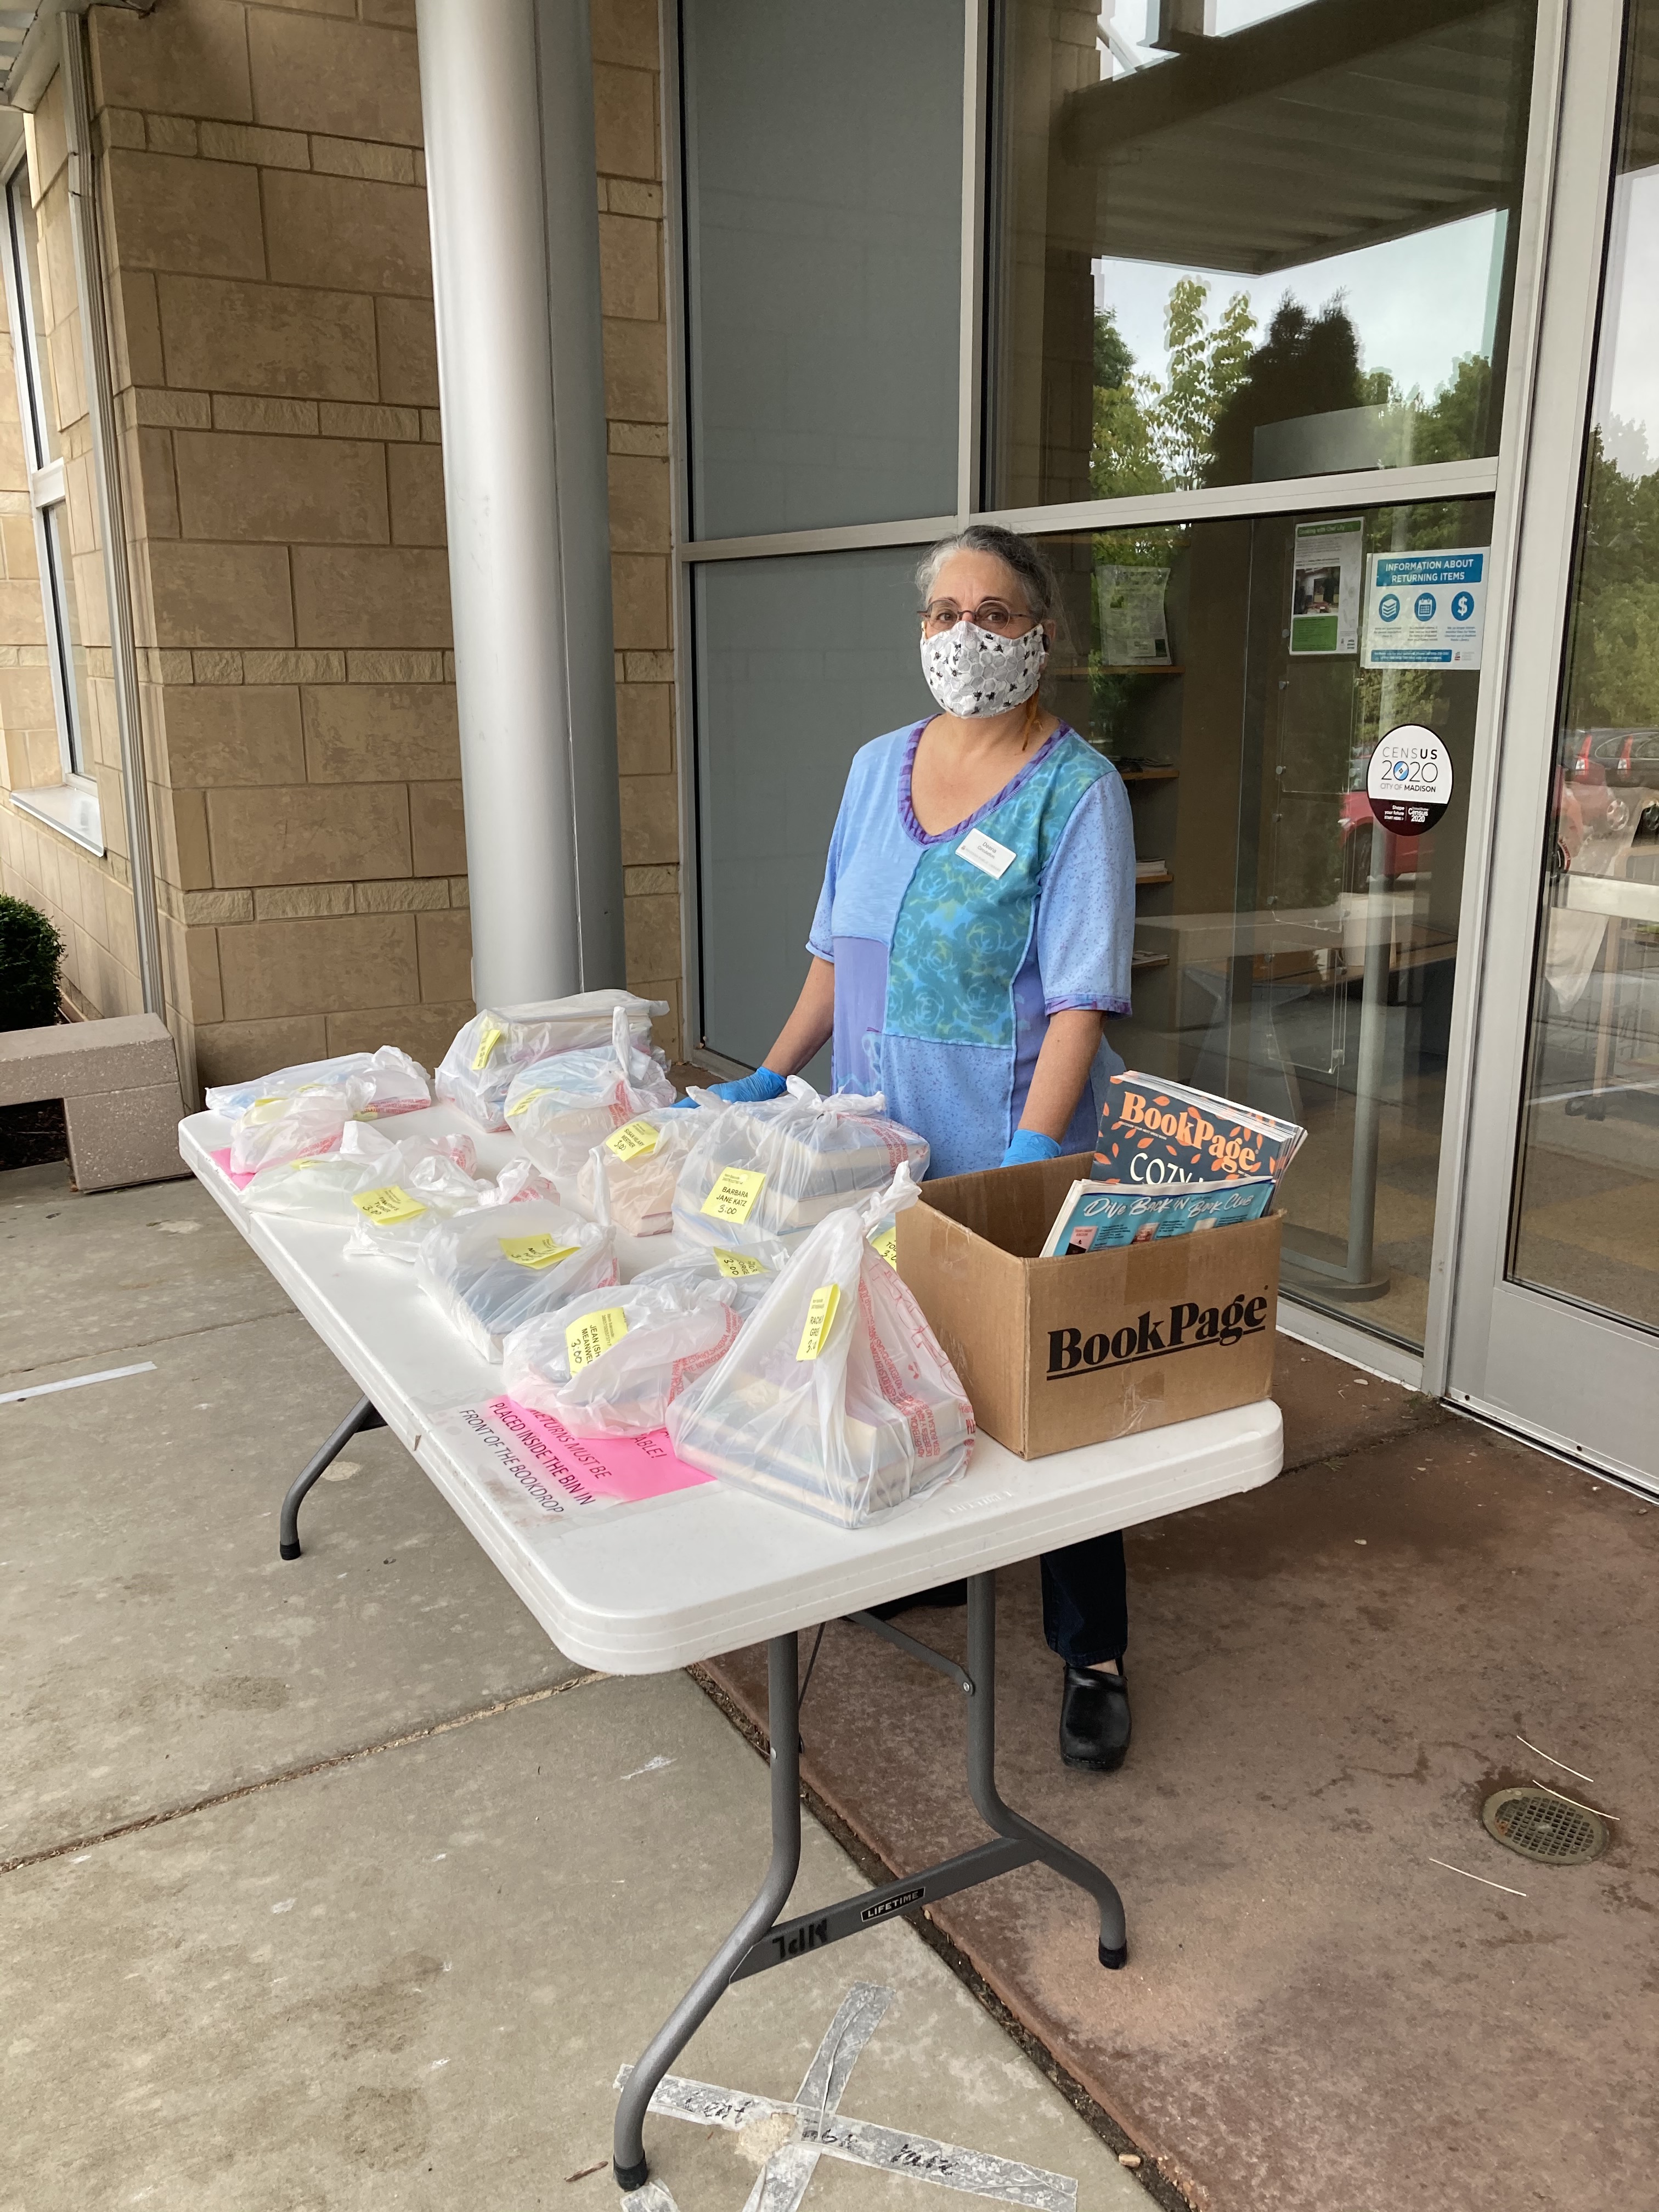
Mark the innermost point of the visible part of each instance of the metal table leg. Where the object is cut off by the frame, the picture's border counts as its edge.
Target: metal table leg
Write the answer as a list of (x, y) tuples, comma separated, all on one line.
[(362, 1416), (694, 2007), (760, 1939)]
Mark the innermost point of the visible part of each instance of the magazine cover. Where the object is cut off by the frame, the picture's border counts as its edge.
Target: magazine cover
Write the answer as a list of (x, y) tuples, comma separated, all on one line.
[(1095, 1216), (1154, 1132)]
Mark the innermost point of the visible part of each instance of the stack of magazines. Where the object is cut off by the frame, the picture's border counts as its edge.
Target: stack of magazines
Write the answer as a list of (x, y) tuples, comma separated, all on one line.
[(1168, 1160)]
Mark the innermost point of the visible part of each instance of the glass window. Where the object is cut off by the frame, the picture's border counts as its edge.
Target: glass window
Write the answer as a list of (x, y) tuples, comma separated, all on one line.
[(798, 662), (1289, 951), (26, 302), (1236, 240), (824, 216), (1586, 1220)]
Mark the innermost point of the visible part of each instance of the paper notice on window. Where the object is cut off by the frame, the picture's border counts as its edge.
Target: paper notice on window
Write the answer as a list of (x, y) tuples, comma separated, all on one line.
[(1426, 609), (1133, 633), (1327, 571)]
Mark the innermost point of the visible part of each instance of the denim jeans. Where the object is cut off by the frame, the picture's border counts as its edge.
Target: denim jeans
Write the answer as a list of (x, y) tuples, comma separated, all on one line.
[(1085, 1601)]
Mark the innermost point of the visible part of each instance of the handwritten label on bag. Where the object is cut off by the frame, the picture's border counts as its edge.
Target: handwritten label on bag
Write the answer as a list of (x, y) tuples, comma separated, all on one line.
[(885, 1241), (387, 1206), (487, 1044), (819, 1316), (633, 1141), (738, 1263), (736, 1189), (515, 1105), (534, 1251), (594, 1334), (985, 853)]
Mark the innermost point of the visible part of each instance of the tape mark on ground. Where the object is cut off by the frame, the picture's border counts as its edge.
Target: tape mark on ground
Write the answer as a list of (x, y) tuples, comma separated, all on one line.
[(77, 1382)]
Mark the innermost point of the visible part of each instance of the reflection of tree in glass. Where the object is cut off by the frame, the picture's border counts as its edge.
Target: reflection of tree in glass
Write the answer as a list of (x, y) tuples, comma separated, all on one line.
[(1153, 434), (1614, 678), (1307, 365)]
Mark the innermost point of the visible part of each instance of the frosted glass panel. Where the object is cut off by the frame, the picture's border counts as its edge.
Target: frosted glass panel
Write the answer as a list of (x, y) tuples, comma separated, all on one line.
[(799, 662), (823, 199)]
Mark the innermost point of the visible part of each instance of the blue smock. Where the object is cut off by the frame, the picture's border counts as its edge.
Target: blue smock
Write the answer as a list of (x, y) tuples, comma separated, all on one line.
[(946, 975)]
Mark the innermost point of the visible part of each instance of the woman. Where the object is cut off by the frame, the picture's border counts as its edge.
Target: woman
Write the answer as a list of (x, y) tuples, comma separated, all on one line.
[(975, 927)]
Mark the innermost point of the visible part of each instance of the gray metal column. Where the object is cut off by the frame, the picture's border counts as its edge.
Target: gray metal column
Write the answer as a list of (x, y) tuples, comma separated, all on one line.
[(507, 96)]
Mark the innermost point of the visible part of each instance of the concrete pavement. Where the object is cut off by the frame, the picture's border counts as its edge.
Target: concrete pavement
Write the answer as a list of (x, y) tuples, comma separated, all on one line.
[(332, 1885)]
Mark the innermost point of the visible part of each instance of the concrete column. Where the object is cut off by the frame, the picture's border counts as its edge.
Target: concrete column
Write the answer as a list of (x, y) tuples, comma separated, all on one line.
[(507, 96)]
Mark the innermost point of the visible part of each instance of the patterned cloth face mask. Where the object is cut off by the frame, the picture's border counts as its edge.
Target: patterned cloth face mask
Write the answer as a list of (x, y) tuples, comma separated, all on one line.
[(971, 670)]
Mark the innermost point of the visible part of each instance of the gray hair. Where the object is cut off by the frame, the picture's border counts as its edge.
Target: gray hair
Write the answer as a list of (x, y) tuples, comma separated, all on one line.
[(1027, 560)]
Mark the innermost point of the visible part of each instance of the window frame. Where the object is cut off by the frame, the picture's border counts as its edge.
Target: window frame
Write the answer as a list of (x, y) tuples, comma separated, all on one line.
[(1501, 476), (70, 806)]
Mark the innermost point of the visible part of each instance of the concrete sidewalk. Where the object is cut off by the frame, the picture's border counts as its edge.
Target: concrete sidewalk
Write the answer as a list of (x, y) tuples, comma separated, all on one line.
[(332, 1884)]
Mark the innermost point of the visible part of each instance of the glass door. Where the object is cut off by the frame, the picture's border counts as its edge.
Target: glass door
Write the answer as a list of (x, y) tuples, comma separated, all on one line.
[(1557, 1316)]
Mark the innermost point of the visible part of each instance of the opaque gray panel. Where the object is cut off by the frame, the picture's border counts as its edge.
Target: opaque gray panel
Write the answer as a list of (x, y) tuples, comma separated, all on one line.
[(799, 662), (824, 217)]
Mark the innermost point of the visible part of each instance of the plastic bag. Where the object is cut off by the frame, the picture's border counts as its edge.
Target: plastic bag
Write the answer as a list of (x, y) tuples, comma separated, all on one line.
[(630, 1182), (519, 1179), (322, 1188), (394, 1217), (560, 1107), (760, 1173), (393, 1083), (478, 1067), (836, 1397), (496, 1268), (301, 1125), (612, 1362)]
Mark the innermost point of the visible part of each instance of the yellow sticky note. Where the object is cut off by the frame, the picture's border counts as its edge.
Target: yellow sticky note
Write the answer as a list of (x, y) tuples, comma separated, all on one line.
[(487, 1044), (733, 1198), (594, 1334), (885, 1241), (259, 1111), (633, 1141), (534, 1251), (516, 1104), (738, 1263), (387, 1205), (819, 1316)]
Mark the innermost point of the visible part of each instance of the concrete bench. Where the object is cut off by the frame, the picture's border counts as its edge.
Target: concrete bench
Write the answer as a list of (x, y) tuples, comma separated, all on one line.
[(118, 1080)]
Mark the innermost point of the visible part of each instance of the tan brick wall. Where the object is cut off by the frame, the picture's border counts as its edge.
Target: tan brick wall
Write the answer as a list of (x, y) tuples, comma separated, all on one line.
[(266, 225), (627, 108)]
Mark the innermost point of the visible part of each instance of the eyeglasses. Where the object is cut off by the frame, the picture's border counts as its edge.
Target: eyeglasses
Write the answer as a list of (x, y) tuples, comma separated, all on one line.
[(940, 615)]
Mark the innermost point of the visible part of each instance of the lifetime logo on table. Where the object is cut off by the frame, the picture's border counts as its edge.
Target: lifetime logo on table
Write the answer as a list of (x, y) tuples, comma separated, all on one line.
[(1187, 1327)]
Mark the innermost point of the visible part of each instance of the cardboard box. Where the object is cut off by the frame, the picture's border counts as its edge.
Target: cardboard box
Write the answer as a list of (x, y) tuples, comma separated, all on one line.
[(1072, 1351)]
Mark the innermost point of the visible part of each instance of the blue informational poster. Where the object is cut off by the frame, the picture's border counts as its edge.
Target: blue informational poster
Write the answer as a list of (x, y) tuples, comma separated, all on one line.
[(1424, 610)]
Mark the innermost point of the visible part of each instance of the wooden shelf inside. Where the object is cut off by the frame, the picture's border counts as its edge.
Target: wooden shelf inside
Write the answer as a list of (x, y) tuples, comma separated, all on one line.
[(1145, 882), (1139, 962), (1148, 774)]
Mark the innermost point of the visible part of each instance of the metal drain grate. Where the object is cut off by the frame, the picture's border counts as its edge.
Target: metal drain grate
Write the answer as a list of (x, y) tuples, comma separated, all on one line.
[(1543, 1827)]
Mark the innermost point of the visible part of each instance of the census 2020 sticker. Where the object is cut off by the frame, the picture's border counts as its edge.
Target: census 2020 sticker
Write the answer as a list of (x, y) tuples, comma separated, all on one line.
[(1409, 782)]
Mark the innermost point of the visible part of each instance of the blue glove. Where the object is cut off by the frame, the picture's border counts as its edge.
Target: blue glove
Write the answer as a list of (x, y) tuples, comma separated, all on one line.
[(744, 1089), (1028, 1144)]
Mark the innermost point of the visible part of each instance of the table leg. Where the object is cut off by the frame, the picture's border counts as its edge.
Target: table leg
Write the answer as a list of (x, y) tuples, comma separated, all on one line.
[(981, 1776), (627, 2145), (361, 1416)]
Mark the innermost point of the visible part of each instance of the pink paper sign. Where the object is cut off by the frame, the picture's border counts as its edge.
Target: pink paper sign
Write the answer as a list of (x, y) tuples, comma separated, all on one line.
[(580, 1470), (222, 1161)]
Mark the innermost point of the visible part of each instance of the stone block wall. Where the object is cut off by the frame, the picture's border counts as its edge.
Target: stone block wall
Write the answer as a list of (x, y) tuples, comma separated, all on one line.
[(265, 221)]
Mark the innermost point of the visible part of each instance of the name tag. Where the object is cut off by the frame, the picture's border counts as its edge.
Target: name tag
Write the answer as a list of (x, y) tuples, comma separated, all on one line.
[(985, 853)]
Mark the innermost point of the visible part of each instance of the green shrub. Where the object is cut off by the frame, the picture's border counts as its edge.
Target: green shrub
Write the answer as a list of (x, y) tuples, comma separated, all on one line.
[(30, 950)]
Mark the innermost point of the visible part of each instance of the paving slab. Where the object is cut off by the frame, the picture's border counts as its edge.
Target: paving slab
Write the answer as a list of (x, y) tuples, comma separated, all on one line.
[(1331, 1407), (84, 1275), (1330, 1674), (154, 1650), (411, 1979)]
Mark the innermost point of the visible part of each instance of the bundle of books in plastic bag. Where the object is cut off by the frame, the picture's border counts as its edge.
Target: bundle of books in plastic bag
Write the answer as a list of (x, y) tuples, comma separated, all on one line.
[(1169, 1160)]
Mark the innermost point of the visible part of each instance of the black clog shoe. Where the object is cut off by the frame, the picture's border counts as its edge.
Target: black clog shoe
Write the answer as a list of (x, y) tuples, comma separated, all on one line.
[(1094, 1720)]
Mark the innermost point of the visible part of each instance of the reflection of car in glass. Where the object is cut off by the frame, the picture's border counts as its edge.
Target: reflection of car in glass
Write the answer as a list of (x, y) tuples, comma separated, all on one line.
[(1623, 757), (1402, 856)]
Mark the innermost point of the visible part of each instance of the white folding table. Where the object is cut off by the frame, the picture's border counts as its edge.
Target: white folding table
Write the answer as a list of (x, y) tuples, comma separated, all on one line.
[(643, 1588)]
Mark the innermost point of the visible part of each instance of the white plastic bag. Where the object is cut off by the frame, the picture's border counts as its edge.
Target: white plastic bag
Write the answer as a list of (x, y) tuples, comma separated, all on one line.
[(612, 1362), (491, 1270), (759, 1173), (300, 1125), (323, 1188), (478, 1067), (560, 1107), (519, 1179), (394, 1217), (835, 1398), (628, 1177), (392, 1084)]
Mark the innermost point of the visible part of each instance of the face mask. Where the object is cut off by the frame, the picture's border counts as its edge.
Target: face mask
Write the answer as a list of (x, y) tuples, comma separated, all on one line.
[(971, 670)]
